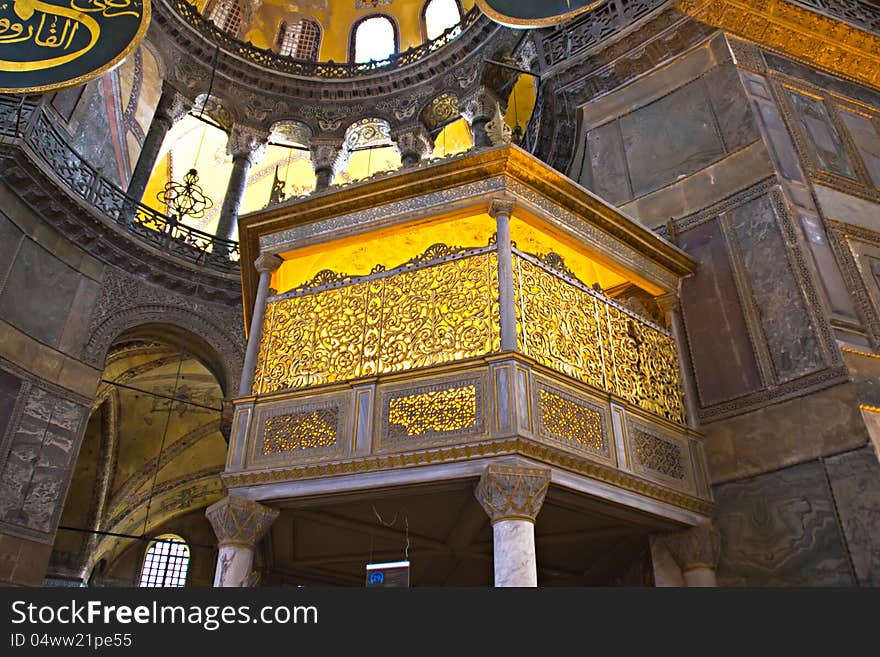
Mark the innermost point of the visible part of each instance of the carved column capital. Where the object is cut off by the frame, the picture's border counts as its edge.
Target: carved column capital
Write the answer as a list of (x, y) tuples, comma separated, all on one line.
[(245, 141), (328, 157), (481, 104), (414, 143), (240, 522), (512, 492), (501, 206), (694, 548), (267, 263), (668, 303), (326, 153), (172, 106)]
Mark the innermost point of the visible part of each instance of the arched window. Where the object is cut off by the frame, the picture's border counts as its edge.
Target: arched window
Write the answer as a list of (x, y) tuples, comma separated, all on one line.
[(374, 38), (166, 562), (301, 39), (439, 15), (226, 14)]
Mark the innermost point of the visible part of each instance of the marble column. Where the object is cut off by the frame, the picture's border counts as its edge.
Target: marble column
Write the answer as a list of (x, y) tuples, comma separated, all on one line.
[(414, 143), (479, 108), (171, 108), (670, 306), (512, 497), (246, 146), (501, 210), (695, 551), (265, 265), (327, 158), (239, 525)]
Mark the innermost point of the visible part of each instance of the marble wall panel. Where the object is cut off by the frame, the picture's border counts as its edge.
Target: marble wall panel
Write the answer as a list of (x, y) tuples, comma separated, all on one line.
[(823, 141), (38, 294), (42, 454), (714, 320), (790, 336), (780, 529), (670, 138), (9, 388), (867, 141), (10, 237), (855, 481), (605, 172), (735, 116)]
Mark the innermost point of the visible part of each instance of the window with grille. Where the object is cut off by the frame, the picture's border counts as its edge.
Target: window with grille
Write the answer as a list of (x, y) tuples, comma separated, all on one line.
[(165, 563), (226, 14), (374, 39), (300, 40), (440, 15)]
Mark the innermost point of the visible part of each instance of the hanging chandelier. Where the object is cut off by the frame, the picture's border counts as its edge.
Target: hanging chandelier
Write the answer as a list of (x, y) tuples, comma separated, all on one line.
[(186, 199)]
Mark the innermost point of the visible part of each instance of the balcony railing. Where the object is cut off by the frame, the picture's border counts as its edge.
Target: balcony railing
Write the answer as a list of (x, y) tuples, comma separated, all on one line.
[(443, 307), (33, 128), (330, 70)]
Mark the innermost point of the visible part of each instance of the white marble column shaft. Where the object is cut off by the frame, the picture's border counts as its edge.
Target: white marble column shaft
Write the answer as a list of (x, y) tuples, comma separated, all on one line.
[(514, 553), (234, 565)]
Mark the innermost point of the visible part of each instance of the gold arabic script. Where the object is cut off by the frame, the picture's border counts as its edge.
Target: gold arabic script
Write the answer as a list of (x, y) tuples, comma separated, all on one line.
[(61, 34)]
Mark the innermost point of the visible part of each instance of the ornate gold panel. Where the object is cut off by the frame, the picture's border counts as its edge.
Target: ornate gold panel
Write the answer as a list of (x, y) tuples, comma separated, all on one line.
[(572, 421), (432, 412), (583, 335), (808, 36), (305, 430), (418, 317)]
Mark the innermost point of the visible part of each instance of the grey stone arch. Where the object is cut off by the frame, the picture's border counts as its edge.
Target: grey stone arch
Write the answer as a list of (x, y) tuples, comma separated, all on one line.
[(218, 348)]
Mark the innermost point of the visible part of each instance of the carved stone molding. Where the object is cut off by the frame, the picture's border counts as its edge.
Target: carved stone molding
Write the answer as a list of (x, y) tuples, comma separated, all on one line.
[(512, 492), (694, 548), (240, 522)]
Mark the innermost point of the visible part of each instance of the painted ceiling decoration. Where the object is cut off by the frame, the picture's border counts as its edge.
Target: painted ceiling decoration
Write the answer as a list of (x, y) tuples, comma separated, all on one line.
[(46, 45)]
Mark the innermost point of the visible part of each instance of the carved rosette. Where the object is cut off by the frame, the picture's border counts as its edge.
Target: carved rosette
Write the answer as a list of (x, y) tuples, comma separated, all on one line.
[(240, 522), (248, 142), (414, 143), (512, 492), (694, 548)]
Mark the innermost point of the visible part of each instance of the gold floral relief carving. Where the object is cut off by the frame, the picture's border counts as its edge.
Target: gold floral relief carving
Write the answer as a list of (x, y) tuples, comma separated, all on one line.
[(572, 421), (427, 316), (584, 336), (433, 412), (797, 32), (309, 429)]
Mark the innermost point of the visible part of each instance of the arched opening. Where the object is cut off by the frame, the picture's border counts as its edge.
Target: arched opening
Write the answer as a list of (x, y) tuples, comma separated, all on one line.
[(373, 39), (369, 150), (300, 39), (439, 16), (149, 465), (166, 563)]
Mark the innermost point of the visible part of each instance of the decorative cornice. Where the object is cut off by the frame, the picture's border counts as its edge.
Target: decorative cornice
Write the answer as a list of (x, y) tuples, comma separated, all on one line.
[(545, 454)]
